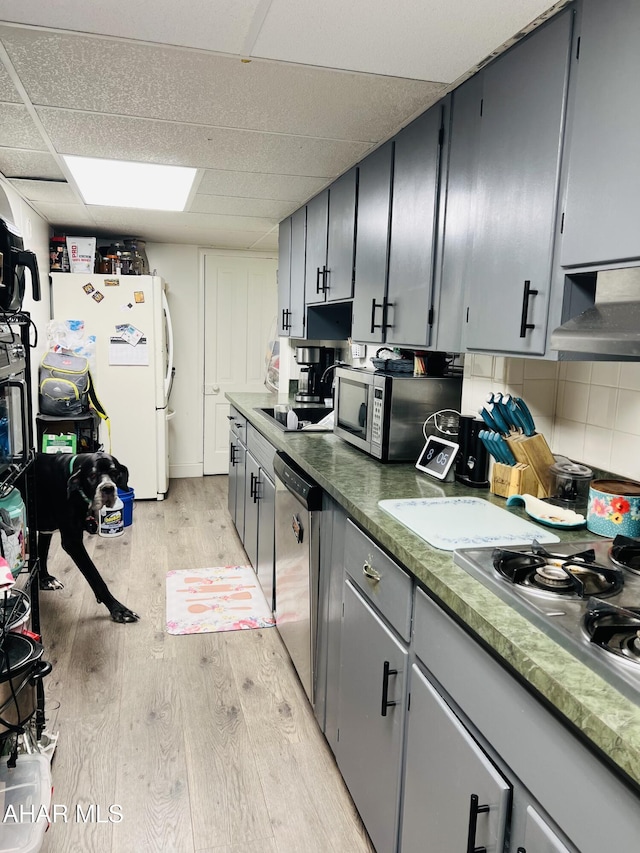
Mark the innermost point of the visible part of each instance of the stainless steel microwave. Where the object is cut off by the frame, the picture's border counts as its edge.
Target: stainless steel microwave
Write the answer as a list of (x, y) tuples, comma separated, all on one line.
[(383, 413)]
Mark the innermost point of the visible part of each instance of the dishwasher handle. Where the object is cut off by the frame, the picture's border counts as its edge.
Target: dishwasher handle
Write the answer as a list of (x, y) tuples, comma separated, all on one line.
[(297, 481)]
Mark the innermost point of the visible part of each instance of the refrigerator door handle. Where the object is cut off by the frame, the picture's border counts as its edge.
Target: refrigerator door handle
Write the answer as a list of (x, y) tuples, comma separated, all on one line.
[(168, 379)]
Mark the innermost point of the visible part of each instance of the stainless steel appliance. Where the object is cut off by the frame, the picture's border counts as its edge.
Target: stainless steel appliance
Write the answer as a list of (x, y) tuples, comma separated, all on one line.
[(585, 595), (297, 546), (383, 413), (314, 361)]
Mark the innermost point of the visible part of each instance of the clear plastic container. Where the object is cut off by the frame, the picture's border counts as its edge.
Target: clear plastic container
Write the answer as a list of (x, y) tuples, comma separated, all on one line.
[(26, 793)]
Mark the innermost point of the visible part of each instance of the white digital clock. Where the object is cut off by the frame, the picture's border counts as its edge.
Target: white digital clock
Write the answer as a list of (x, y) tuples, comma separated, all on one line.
[(437, 457)]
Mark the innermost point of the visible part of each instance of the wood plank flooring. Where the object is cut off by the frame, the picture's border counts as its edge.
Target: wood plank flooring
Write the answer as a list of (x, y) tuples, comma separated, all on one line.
[(206, 743)]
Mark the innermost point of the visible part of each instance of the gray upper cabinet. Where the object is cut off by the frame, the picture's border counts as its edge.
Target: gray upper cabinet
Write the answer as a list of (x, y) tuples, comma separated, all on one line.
[(316, 263), (457, 213), (284, 276), (413, 230), (602, 215), (520, 139), (291, 260), (341, 237), (372, 238)]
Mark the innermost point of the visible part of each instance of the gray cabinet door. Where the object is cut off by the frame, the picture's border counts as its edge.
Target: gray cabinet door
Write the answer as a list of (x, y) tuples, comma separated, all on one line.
[(250, 540), (316, 264), (237, 464), (298, 257), (518, 163), (455, 258), (266, 535), (413, 230), (539, 837), (446, 768), (602, 215), (341, 239), (372, 238), (369, 747), (284, 276)]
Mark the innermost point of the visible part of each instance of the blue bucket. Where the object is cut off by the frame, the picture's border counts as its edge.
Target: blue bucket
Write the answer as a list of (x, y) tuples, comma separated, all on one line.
[(127, 497)]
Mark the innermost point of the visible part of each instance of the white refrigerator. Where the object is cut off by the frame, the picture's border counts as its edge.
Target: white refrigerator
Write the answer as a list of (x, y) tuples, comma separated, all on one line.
[(133, 366)]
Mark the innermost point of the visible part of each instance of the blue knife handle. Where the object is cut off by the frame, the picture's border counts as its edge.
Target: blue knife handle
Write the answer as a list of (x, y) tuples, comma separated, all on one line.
[(526, 414), (517, 417), (510, 458), (495, 413), (499, 403), (489, 421)]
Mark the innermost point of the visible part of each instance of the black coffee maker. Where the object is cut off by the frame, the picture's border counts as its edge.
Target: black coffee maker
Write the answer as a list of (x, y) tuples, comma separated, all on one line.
[(314, 361), (472, 464), (14, 260)]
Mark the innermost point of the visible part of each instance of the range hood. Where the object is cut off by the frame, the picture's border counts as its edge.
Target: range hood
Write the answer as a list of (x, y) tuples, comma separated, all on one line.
[(611, 327)]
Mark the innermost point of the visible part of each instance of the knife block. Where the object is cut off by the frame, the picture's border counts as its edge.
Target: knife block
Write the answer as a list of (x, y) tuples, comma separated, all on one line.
[(533, 450), (507, 480)]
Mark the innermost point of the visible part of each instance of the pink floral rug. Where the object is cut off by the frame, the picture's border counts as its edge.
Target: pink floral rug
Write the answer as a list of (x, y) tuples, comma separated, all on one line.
[(226, 598)]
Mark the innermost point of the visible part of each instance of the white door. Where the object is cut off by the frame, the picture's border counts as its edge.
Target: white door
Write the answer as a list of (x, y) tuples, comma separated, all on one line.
[(240, 306)]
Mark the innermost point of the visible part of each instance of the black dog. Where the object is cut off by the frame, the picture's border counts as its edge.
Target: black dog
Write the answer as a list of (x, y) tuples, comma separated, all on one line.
[(70, 492)]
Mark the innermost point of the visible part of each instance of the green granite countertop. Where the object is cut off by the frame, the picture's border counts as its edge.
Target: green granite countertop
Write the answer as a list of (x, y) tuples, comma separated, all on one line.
[(609, 720)]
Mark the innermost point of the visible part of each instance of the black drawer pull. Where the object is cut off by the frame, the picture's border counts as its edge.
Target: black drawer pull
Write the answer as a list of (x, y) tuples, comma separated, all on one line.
[(386, 672), (474, 811), (528, 293), (375, 305)]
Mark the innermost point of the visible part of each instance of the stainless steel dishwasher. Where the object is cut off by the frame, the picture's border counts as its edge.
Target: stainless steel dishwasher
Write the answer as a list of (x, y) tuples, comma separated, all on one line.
[(298, 507)]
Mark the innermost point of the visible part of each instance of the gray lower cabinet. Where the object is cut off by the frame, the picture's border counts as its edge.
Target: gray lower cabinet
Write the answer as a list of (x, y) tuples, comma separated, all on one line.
[(601, 214), (237, 462), (477, 707), (373, 677), (259, 524), (455, 798), (518, 165)]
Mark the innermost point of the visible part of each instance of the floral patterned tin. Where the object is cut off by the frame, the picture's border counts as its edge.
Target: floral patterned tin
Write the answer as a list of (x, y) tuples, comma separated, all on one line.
[(614, 507)]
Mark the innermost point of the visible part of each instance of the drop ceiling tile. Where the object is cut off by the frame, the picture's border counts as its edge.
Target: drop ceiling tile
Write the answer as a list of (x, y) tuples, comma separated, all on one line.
[(242, 206), (141, 140), (17, 129), (28, 164), (56, 192), (8, 92), (209, 24), (65, 215), (256, 185), (103, 76), (434, 40), (110, 216)]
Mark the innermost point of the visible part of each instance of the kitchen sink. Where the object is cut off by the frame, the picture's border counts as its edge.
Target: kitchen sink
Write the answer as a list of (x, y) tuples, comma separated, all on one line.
[(308, 416)]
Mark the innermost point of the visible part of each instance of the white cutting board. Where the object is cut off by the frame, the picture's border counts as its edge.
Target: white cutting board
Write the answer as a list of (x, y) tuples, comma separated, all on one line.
[(450, 523)]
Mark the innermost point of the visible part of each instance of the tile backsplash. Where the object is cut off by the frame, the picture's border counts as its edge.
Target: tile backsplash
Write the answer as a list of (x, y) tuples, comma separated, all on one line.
[(588, 411)]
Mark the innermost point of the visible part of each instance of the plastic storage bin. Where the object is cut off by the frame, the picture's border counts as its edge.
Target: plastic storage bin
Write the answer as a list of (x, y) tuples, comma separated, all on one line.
[(14, 531), (26, 793)]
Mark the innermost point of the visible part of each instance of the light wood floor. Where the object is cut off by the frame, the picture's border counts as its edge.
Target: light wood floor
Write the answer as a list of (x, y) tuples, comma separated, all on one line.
[(205, 742)]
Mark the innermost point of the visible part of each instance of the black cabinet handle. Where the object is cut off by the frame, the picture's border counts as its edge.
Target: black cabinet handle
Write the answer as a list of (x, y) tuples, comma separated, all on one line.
[(386, 672), (524, 325), (286, 325), (385, 312), (257, 483), (232, 455), (318, 274), (252, 487), (474, 811), (325, 278), (375, 305)]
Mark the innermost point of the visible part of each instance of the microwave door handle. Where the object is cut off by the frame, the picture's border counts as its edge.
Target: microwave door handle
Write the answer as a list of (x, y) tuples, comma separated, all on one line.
[(22, 387)]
